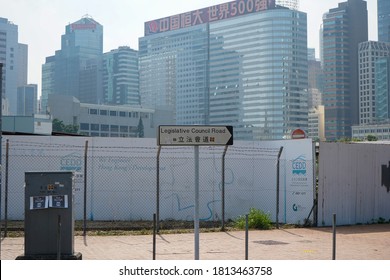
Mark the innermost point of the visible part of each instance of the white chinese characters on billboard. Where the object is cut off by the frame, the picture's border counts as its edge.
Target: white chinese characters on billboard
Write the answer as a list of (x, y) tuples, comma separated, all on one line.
[(206, 15)]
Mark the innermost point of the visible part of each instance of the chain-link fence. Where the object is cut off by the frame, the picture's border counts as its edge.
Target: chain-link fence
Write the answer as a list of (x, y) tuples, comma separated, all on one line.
[(118, 188)]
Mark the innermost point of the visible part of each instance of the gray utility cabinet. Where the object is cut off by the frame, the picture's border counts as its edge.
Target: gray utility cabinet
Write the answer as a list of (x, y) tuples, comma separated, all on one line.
[(49, 215)]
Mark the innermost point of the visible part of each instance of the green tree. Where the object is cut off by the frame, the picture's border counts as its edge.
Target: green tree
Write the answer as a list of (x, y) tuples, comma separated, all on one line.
[(71, 128), (140, 128), (372, 138), (59, 126)]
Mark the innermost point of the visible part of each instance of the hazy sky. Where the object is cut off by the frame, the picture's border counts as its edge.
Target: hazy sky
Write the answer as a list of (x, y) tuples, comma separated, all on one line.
[(42, 22)]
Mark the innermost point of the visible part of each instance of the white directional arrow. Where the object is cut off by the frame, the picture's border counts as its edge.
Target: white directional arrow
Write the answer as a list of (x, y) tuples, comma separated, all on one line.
[(181, 135)]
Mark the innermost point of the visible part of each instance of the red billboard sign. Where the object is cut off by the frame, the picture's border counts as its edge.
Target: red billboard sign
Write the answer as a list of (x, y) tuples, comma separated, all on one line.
[(206, 15)]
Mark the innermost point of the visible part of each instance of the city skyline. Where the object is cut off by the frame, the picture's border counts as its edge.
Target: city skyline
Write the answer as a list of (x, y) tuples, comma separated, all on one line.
[(58, 15)]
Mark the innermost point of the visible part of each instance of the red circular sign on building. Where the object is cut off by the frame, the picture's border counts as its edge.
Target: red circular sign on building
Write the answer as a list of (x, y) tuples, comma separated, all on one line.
[(298, 134)]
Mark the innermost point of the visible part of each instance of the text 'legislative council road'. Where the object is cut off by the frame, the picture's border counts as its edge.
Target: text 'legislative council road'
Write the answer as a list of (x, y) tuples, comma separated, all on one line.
[(195, 135)]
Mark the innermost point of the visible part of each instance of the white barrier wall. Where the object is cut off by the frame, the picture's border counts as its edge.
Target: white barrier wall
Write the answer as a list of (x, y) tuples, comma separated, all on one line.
[(354, 183), (121, 179)]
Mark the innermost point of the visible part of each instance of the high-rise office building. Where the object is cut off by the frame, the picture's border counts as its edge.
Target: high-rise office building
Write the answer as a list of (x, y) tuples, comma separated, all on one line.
[(316, 128), (27, 100), (343, 29), (121, 77), (369, 53), (383, 20), (76, 69), (382, 92), (13, 55), (47, 82), (241, 63), (315, 79), (291, 4), (174, 71)]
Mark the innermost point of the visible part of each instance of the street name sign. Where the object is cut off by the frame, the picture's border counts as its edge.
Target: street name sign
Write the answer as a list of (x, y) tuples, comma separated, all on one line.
[(182, 135)]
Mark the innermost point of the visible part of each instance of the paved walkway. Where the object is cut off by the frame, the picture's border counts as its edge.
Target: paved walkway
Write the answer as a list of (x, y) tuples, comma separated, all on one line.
[(366, 242)]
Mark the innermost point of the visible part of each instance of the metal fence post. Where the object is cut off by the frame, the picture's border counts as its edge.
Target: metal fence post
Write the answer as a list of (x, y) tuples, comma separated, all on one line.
[(196, 209), (1, 136), (6, 189), (154, 236), (85, 188), (278, 186), (158, 190), (246, 237)]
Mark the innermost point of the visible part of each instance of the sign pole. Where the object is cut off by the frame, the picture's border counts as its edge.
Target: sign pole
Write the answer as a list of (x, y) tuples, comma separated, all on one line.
[(182, 135), (196, 214), (223, 188)]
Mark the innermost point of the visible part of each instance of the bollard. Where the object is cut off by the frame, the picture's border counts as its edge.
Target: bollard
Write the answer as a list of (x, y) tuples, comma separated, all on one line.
[(59, 238), (334, 237)]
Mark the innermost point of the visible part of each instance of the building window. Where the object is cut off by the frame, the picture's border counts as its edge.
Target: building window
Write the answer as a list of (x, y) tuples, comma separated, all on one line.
[(124, 129), (114, 128), (104, 127), (113, 113), (93, 111), (94, 127), (103, 112), (84, 126), (122, 114)]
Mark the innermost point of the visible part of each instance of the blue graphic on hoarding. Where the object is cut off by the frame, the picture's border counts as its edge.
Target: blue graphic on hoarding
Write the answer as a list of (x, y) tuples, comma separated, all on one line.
[(297, 207), (299, 165), (72, 162), (180, 208)]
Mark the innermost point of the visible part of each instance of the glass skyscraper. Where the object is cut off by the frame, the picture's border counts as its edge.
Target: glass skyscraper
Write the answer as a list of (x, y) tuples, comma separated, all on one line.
[(382, 93), (369, 53), (258, 74), (14, 56), (344, 28), (384, 20), (121, 77), (174, 73), (27, 100), (291, 4), (76, 69), (241, 63)]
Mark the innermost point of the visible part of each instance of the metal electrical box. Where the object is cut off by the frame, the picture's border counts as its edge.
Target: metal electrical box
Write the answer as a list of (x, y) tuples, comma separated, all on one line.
[(49, 216)]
